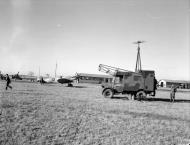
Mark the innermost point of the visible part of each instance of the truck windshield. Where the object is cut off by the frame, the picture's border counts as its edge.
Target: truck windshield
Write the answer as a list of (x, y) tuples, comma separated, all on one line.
[(118, 79)]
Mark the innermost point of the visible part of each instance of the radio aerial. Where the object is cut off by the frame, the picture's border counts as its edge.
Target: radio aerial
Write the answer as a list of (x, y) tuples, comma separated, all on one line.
[(138, 61)]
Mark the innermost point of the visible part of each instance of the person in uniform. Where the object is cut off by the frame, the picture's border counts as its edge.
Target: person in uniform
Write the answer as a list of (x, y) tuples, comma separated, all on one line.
[(172, 93), (8, 82), (155, 86)]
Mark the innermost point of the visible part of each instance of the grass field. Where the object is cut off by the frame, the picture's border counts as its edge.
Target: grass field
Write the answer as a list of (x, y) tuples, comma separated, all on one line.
[(55, 114)]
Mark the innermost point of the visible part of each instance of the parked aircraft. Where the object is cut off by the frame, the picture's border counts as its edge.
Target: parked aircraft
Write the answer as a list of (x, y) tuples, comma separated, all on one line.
[(2, 77), (16, 77), (66, 80), (46, 80)]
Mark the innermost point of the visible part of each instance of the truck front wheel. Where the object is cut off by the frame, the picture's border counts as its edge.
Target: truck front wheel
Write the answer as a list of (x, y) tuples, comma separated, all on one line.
[(108, 93)]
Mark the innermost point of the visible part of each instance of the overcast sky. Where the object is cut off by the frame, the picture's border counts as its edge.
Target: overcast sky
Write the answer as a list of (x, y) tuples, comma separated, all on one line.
[(81, 34)]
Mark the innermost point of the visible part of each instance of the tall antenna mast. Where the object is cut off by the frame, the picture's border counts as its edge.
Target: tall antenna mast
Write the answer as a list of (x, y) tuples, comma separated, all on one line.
[(39, 72), (56, 70), (138, 61)]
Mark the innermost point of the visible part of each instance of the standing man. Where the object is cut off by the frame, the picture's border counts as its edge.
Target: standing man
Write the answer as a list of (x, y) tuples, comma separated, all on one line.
[(155, 86), (42, 81), (8, 82), (1, 76), (172, 93)]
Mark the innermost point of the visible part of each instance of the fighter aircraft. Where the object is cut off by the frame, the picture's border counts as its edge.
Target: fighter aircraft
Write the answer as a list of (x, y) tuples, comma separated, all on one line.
[(16, 77), (2, 77), (46, 79), (62, 80), (68, 80)]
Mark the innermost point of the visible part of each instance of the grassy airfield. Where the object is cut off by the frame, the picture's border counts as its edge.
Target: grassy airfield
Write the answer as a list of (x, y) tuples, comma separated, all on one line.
[(55, 114)]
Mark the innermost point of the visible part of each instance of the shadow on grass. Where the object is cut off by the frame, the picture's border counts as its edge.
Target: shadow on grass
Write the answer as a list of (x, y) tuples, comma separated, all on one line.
[(154, 99), (167, 100), (74, 86), (120, 97), (79, 86), (154, 116)]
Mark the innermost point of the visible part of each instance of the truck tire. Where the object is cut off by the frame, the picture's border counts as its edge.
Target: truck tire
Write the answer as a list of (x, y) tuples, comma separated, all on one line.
[(108, 93), (140, 95)]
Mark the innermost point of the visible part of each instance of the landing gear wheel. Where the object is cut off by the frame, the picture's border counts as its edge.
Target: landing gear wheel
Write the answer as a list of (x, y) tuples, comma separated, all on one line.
[(140, 95), (70, 85), (108, 93)]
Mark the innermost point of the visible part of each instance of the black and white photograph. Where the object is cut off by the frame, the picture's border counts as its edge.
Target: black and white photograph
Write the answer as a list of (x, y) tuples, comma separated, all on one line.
[(94, 72)]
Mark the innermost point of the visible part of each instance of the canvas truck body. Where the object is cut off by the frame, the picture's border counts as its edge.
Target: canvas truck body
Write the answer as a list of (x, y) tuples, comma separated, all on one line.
[(149, 80), (127, 82)]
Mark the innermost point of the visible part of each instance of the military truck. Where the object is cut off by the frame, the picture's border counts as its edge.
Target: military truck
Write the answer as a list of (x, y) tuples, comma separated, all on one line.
[(137, 84)]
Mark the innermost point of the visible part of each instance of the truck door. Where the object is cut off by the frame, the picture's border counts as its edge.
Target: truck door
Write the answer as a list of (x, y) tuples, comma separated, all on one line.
[(149, 82), (118, 83)]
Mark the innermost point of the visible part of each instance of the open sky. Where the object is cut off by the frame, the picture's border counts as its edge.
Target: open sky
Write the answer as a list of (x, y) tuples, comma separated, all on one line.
[(81, 34)]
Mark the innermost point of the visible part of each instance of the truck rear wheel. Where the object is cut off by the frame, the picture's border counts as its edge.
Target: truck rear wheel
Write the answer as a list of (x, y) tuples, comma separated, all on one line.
[(108, 93), (140, 95)]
